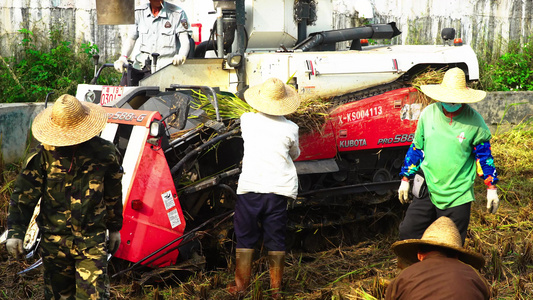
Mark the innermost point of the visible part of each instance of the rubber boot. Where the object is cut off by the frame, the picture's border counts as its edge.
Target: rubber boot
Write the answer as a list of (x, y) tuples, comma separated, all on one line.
[(276, 262), (243, 270)]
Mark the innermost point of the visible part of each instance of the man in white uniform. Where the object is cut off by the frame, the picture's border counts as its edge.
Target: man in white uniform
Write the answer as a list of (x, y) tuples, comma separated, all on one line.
[(162, 28)]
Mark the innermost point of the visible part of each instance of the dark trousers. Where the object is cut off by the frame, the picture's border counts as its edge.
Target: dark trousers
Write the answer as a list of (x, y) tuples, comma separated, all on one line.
[(259, 215), (421, 213), (71, 273)]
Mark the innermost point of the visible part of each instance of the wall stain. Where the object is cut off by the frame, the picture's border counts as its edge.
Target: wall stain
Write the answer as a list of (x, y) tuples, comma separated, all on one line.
[(486, 25)]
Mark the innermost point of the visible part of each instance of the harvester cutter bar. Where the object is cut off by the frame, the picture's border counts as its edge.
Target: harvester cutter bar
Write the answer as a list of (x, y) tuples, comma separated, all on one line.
[(156, 254)]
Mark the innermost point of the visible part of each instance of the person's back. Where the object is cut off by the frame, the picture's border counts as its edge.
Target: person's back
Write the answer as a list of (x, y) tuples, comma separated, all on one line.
[(439, 277), (268, 179), (438, 267), (270, 145)]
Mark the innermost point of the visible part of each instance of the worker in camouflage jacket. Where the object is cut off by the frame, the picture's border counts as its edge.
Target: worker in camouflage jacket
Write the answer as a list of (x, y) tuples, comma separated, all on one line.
[(76, 176)]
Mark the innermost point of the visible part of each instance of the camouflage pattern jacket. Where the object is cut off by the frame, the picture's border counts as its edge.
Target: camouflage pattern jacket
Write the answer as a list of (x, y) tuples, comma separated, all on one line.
[(80, 190)]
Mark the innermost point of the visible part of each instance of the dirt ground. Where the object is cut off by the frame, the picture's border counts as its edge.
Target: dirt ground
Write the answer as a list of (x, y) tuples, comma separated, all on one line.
[(335, 273), (359, 271), (344, 271)]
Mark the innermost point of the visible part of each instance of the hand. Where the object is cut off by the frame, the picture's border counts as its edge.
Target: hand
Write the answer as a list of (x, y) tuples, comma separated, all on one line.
[(119, 64), (403, 192), (14, 247), (178, 59), (114, 241), (492, 200)]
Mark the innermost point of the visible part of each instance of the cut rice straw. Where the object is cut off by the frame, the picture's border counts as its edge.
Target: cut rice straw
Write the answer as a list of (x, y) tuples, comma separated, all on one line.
[(311, 115), (430, 76)]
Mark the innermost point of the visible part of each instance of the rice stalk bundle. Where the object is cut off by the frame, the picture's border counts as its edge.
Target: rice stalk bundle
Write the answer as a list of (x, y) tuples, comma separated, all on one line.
[(431, 76), (311, 115), (229, 105)]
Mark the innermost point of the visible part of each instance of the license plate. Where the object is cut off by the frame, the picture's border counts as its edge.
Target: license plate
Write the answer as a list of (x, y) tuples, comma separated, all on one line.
[(111, 93)]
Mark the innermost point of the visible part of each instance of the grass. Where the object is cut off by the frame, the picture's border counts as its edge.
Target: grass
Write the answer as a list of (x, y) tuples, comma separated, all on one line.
[(359, 271)]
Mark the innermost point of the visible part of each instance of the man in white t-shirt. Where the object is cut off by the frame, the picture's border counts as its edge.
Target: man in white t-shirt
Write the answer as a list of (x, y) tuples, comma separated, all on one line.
[(268, 178)]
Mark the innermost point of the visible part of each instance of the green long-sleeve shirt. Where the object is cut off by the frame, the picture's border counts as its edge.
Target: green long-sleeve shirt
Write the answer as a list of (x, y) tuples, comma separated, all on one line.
[(449, 162), (80, 191)]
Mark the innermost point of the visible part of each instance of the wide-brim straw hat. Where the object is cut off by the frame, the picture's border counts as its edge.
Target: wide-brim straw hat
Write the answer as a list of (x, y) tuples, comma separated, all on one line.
[(453, 89), (273, 97), (442, 233), (69, 122)]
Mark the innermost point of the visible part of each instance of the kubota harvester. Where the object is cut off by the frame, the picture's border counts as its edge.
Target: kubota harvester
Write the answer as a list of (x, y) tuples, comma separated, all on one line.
[(182, 158)]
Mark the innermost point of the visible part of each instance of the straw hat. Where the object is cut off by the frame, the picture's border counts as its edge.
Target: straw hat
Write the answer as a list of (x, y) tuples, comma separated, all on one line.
[(69, 122), (273, 97), (442, 233), (453, 89)]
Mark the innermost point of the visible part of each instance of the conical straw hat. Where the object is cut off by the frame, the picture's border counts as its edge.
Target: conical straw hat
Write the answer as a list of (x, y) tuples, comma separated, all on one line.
[(442, 233), (273, 97), (69, 122), (453, 89)]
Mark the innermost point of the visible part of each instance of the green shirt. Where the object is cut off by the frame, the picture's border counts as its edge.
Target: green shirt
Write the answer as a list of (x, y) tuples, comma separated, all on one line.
[(80, 191), (449, 161)]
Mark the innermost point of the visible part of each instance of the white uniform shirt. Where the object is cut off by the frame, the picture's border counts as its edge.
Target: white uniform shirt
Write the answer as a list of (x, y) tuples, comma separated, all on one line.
[(158, 34), (270, 146)]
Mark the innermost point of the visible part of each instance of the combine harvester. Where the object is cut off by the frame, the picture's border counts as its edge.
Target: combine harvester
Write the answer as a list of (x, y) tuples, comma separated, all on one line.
[(182, 164)]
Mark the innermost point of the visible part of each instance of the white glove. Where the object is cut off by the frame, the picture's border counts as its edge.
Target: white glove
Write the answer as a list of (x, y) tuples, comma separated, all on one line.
[(14, 247), (114, 241), (403, 192), (119, 64), (492, 200), (178, 59)]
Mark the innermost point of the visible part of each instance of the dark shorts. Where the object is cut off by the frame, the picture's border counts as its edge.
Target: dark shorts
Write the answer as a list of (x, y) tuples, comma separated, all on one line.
[(259, 215), (422, 212)]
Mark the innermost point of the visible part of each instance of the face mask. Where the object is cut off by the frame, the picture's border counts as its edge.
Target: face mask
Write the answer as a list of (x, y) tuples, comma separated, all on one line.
[(451, 107)]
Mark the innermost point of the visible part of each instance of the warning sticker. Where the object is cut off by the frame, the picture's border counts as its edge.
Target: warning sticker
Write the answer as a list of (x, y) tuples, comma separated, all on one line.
[(174, 218), (168, 200)]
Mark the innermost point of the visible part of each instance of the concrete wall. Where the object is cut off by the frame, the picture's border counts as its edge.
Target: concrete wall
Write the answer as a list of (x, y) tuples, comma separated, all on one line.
[(506, 108), (76, 18), (484, 24), (15, 124)]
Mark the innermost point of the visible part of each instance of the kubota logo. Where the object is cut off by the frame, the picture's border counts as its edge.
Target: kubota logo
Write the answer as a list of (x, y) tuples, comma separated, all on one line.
[(352, 143)]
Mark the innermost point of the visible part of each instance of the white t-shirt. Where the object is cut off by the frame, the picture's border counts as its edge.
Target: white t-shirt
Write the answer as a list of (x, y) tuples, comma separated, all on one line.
[(270, 146)]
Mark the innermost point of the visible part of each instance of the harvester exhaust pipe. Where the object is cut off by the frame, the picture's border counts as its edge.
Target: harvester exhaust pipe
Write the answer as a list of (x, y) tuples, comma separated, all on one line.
[(220, 30), (302, 10), (376, 31), (115, 12)]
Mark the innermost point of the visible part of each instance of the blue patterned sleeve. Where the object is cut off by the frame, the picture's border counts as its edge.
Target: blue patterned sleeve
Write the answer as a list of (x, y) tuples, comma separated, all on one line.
[(485, 163), (413, 159)]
